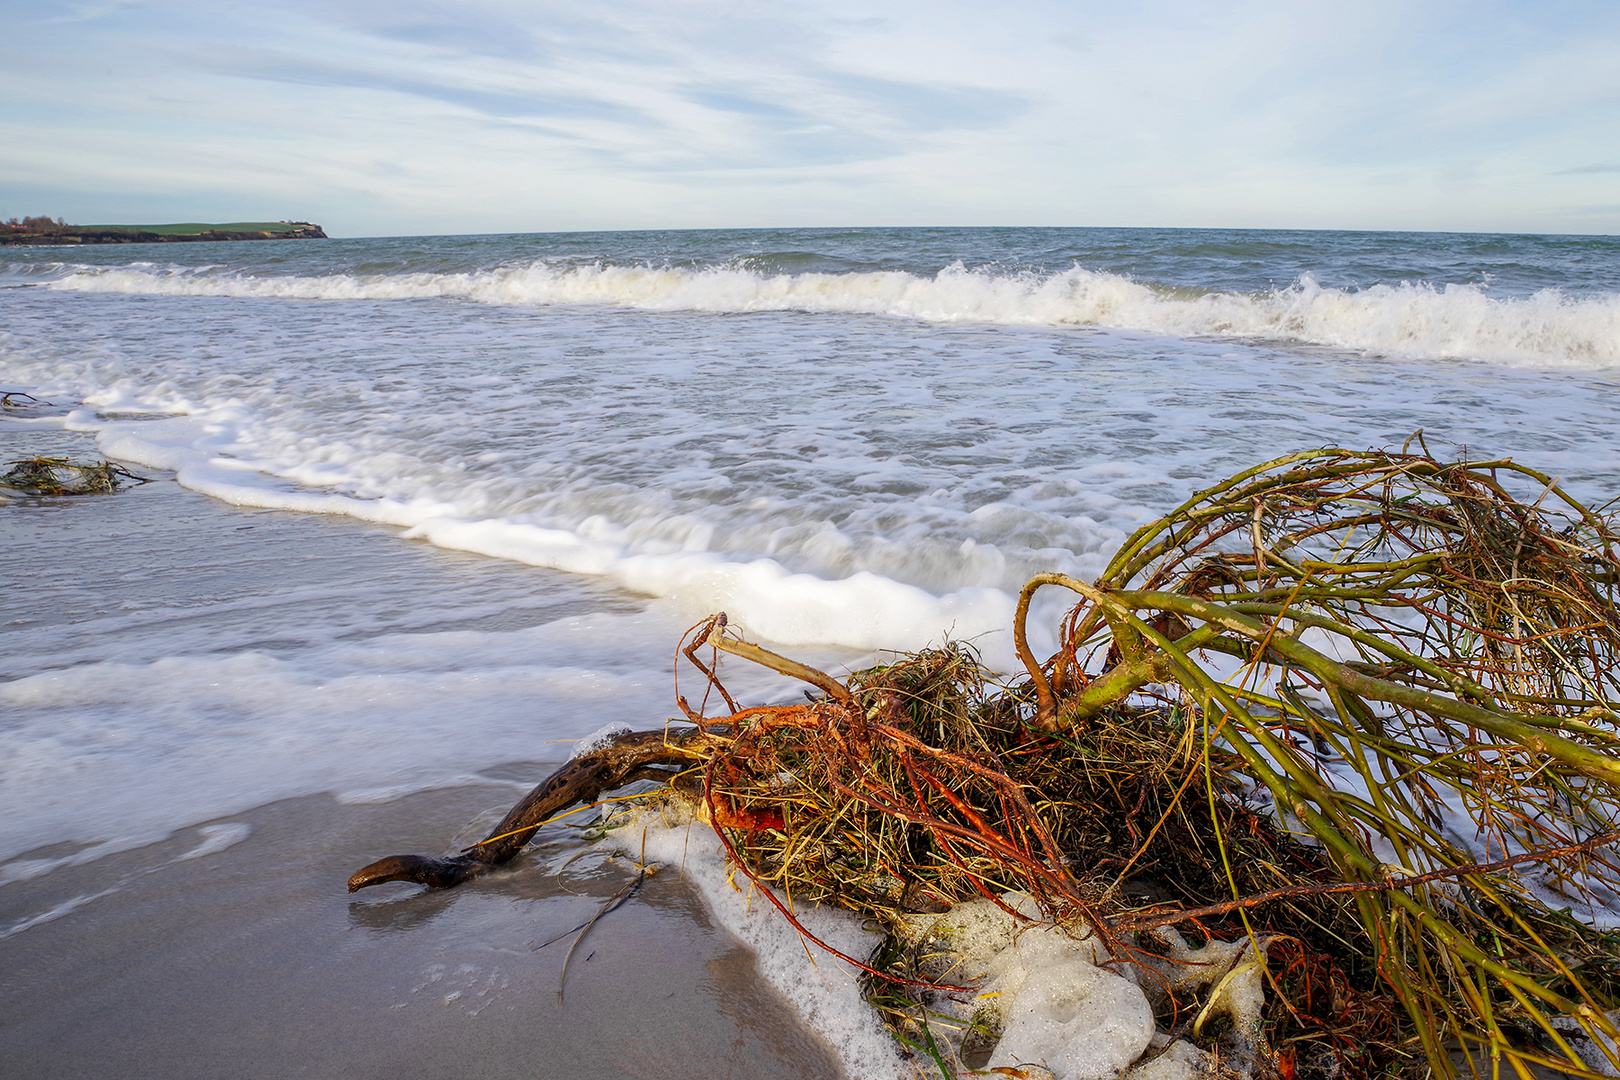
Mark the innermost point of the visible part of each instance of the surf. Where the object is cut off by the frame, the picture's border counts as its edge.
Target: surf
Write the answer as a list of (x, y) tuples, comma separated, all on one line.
[(1411, 320)]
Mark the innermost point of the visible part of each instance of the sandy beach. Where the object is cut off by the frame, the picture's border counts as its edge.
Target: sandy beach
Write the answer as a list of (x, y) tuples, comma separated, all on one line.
[(230, 948), (253, 962)]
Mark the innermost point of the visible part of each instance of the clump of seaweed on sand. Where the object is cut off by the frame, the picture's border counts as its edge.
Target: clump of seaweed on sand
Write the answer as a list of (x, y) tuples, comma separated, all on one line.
[(62, 476), (1348, 720)]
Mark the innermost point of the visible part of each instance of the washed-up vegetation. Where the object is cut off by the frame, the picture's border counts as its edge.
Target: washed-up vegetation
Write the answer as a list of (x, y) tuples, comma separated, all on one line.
[(1353, 714), (63, 476)]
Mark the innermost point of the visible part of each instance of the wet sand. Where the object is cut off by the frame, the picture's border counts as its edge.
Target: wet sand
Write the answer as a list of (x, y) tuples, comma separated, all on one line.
[(231, 949), (254, 962)]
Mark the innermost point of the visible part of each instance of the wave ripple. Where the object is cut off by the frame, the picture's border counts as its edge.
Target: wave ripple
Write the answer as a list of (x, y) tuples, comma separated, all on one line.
[(1409, 320)]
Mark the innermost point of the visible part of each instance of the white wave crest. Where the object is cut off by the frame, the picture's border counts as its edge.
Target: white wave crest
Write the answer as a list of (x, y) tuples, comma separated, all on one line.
[(1414, 321), (864, 610)]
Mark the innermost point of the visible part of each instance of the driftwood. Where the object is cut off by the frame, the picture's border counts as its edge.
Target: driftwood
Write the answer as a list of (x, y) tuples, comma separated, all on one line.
[(640, 755)]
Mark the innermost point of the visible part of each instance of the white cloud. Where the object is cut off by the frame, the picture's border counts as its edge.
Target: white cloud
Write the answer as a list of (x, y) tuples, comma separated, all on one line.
[(88, 12), (430, 115)]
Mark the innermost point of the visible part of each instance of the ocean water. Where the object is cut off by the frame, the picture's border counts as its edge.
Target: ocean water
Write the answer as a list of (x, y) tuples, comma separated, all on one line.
[(493, 478)]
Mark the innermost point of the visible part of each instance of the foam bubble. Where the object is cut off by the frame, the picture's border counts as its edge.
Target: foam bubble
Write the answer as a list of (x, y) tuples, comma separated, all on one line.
[(216, 838), (136, 750), (825, 991), (1415, 320), (66, 907), (1062, 1011), (598, 739), (863, 610)]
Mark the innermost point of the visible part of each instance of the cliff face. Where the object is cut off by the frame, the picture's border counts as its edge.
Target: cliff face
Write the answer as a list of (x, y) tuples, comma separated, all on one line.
[(73, 234)]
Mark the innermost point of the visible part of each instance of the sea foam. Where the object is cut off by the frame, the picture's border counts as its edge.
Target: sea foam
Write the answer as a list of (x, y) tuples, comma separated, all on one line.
[(1410, 320), (863, 610)]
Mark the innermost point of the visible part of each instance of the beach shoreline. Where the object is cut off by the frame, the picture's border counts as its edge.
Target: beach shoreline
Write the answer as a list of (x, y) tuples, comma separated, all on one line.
[(851, 444), (229, 947)]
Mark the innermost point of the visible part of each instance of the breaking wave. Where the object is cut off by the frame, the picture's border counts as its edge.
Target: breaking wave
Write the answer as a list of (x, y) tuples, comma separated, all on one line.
[(1417, 321)]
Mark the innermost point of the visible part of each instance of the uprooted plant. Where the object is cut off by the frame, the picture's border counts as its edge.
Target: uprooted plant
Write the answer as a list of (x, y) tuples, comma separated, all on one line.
[(1358, 710), (62, 476)]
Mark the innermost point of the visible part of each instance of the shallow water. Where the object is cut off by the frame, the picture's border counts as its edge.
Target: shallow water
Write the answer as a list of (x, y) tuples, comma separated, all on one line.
[(848, 440)]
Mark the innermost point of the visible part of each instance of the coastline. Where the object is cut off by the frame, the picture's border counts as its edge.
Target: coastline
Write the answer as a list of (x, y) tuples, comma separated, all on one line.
[(194, 657), (135, 234), (230, 943), (231, 948)]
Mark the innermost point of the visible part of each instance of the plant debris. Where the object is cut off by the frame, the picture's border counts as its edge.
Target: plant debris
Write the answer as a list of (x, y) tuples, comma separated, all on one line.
[(61, 476), (1349, 719)]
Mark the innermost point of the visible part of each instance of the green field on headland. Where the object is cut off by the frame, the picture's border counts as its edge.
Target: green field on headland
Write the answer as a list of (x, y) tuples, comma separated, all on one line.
[(193, 228), (45, 231)]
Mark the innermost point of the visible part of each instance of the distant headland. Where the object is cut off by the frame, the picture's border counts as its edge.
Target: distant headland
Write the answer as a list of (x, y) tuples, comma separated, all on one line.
[(44, 230)]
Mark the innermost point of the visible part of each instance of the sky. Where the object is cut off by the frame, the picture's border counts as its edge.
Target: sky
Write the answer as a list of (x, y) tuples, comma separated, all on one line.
[(431, 116)]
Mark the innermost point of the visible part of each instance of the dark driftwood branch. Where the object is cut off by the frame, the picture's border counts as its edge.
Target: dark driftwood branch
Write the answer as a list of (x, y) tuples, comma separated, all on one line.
[(636, 755)]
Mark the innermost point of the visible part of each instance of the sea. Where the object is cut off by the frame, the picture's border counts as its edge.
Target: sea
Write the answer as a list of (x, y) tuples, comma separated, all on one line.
[(423, 507)]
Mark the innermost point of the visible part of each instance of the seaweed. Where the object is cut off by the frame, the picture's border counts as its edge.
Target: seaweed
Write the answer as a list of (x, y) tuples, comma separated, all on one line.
[(1354, 711), (61, 476)]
